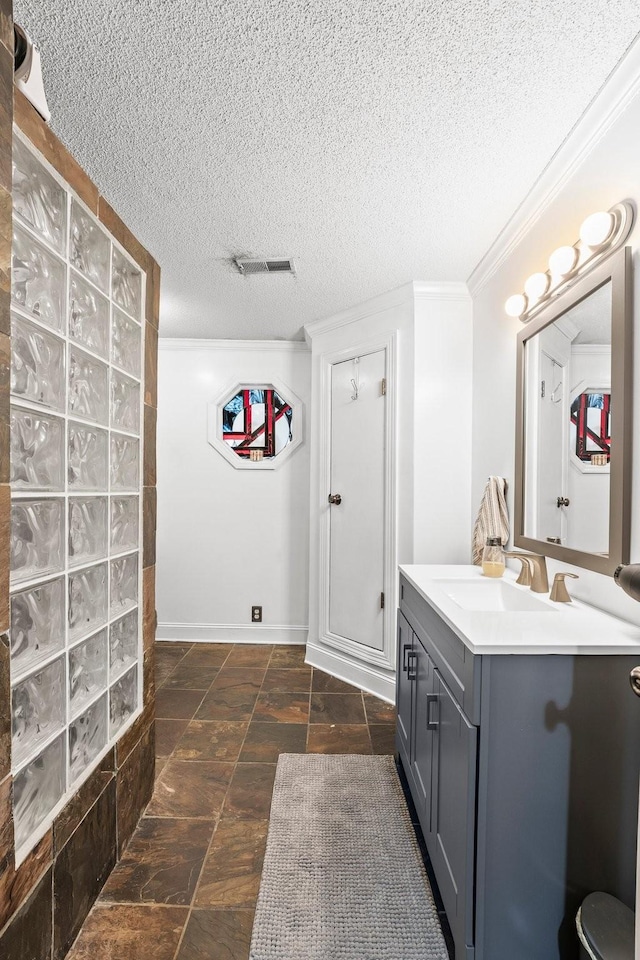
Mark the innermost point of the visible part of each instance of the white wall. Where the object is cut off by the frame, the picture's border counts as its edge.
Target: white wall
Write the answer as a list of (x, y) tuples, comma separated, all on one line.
[(443, 344), (595, 173), (227, 538)]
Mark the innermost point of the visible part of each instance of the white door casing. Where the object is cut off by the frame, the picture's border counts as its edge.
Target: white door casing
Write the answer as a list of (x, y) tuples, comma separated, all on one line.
[(356, 523), (385, 657)]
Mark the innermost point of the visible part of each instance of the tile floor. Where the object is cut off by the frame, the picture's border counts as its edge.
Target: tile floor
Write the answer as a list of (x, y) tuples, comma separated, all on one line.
[(186, 886)]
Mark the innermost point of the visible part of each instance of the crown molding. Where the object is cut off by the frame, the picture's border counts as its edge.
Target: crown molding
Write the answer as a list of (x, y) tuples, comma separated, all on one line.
[(443, 290), (256, 346), (399, 296), (384, 301), (619, 89)]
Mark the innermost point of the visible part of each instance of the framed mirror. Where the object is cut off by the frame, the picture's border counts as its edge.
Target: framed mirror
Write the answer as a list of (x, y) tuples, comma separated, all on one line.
[(573, 426)]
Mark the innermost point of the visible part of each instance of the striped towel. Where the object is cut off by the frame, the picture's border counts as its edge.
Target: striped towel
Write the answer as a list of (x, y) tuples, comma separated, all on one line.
[(493, 517)]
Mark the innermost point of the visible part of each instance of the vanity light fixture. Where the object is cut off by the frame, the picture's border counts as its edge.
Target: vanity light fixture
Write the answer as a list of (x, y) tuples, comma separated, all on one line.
[(600, 234), (596, 229), (562, 261), (536, 286), (516, 305)]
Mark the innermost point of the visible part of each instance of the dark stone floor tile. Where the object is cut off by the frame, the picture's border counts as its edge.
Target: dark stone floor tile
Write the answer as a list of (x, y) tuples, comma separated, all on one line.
[(173, 647), (118, 931), (209, 654), (162, 862), (217, 935), (287, 680), (211, 740), (233, 867), (282, 708), (383, 737), (339, 738), (177, 704), (229, 677), (168, 656), (250, 655), (266, 741), (325, 683), (288, 655), (232, 696), (249, 796), (189, 789), (378, 711), (336, 708), (190, 675), (168, 732)]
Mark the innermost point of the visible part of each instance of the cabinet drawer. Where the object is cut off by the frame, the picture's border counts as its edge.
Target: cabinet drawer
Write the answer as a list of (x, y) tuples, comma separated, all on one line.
[(460, 669)]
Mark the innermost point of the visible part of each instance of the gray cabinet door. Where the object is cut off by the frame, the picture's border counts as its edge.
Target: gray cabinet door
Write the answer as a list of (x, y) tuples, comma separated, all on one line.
[(421, 760), (453, 815), (404, 688)]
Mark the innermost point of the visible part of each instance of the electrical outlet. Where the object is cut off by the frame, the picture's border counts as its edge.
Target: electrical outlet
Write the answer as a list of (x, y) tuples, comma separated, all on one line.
[(256, 614)]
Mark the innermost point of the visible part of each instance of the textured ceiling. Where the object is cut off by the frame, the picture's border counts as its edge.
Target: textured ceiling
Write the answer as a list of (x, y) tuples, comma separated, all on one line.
[(374, 142)]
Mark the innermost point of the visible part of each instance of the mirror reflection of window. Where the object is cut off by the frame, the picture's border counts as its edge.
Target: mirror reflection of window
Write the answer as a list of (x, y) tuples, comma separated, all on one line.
[(568, 427), (590, 428), (257, 423)]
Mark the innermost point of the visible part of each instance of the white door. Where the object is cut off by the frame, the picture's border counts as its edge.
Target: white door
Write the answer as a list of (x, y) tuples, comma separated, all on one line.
[(356, 538)]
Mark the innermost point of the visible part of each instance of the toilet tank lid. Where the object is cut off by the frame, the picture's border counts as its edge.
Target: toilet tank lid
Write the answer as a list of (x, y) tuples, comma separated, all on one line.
[(606, 927)]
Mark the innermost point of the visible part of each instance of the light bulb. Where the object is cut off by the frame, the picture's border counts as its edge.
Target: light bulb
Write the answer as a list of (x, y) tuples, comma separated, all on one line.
[(562, 261), (597, 229), (516, 305), (536, 286)]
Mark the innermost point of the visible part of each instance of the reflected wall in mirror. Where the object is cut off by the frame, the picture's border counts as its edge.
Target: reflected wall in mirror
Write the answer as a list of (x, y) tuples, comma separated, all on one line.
[(573, 443)]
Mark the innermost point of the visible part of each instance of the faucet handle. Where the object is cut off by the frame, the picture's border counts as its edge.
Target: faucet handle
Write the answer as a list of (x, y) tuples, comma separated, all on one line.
[(559, 591), (526, 570)]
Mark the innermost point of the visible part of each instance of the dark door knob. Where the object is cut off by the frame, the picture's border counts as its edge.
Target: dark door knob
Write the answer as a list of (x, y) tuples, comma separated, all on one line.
[(563, 501), (634, 680), (335, 498)]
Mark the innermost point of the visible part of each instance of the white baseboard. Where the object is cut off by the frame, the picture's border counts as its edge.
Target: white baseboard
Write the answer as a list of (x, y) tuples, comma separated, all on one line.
[(231, 633), (355, 672)]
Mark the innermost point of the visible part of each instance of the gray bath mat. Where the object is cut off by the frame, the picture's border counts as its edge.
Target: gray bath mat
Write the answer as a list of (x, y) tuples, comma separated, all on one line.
[(343, 878)]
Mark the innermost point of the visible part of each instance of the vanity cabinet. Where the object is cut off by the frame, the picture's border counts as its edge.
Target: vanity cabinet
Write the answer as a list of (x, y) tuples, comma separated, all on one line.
[(524, 773)]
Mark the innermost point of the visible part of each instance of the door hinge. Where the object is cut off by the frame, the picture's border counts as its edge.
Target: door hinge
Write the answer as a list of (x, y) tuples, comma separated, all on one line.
[(383, 387), (382, 601), (542, 388)]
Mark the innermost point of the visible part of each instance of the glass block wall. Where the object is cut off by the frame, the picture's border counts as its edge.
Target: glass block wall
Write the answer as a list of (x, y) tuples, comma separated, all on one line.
[(76, 361)]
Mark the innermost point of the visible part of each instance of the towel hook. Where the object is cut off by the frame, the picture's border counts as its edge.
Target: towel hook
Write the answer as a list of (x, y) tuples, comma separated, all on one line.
[(355, 382)]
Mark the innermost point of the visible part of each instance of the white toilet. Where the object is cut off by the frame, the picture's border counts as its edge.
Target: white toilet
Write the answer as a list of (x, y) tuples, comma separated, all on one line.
[(605, 928)]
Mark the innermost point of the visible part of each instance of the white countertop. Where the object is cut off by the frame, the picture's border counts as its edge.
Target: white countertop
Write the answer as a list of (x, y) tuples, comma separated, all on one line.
[(562, 628)]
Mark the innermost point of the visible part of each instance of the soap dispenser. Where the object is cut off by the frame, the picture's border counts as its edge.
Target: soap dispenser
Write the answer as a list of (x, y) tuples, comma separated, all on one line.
[(493, 562)]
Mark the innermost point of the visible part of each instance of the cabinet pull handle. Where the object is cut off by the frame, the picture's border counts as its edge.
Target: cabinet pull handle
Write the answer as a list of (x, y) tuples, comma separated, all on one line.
[(405, 648), (412, 673), (431, 724)]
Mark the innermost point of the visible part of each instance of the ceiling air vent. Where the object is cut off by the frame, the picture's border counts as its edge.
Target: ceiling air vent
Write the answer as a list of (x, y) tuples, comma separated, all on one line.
[(250, 265)]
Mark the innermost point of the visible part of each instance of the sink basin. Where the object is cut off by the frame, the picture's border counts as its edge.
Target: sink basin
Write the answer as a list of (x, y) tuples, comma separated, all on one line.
[(492, 595)]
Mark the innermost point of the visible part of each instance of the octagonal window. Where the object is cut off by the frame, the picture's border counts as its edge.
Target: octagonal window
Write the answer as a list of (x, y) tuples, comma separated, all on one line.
[(256, 424)]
